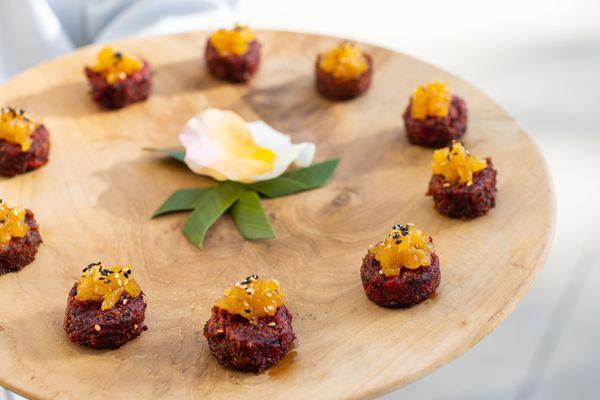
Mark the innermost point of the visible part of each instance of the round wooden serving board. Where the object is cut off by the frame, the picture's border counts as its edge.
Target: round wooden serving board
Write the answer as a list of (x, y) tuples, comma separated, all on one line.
[(94, 200)]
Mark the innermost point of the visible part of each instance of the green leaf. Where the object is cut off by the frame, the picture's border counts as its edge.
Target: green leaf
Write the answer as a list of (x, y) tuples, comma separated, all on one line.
[(177, 154), (182, 200), (250, 217), (312, 177), (213, 205), (278, 187), (316, 175)]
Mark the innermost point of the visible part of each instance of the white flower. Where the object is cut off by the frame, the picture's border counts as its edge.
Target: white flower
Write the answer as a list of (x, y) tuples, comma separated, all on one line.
[(220, 144)]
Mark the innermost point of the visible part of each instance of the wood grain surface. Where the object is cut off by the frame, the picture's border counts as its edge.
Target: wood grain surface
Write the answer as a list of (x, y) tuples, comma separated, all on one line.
[(95, 198)]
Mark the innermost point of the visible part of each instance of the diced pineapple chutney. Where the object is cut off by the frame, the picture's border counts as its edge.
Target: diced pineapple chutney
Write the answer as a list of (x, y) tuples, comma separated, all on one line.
[(16, 126), (12, 223), (115, 66), (405, 247), (431, 100), (234, 41), (345, 61), (106, 284), (456, 164), (252, 298)]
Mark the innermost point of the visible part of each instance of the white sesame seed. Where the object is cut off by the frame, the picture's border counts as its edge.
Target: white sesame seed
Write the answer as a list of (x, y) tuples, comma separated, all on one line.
[(271, 324), (97, 327), (120, 282), (135, 326), (124, 301)]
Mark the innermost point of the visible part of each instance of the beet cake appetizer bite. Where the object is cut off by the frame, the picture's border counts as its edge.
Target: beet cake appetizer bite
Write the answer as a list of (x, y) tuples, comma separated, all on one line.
[(24, 142), (118, 80), (434, 117), (106, 308), (233, 54), (250, 328), (462, 185), (344, 72), (19, 238), (402, 270)]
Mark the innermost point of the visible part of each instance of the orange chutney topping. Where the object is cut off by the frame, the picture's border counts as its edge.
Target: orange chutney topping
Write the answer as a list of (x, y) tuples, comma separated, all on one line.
[(107, 284), (456, 164), (115, 66), (346, 61), (431, 100), (252, 298), (12, 223), (406, 246), (16, 126), (232, 41)]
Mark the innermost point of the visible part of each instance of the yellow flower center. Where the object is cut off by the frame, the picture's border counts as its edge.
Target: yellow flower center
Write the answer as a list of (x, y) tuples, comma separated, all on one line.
[(12, 223), (16, 126), (346, 61), (406, 246), (456, 164), (431, 100), (263, 154), (232, 41), (107, 284), (115, 66), (252, 298)]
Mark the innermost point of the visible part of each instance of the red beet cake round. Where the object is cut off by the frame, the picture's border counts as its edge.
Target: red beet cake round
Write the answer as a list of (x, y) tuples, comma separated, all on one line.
[(460, 200), (85, 323), (238, 344), (412, 286), (335, 88), (21, 251), (436, 132), (135, 87), (233, 68), (15, 161)]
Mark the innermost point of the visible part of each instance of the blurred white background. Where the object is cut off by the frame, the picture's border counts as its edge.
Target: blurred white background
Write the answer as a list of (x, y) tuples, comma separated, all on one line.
[(540, 59)]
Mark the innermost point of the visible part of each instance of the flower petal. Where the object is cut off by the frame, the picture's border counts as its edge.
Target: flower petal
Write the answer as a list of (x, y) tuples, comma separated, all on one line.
[(219, 144), (286, 152), (222, 145)]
